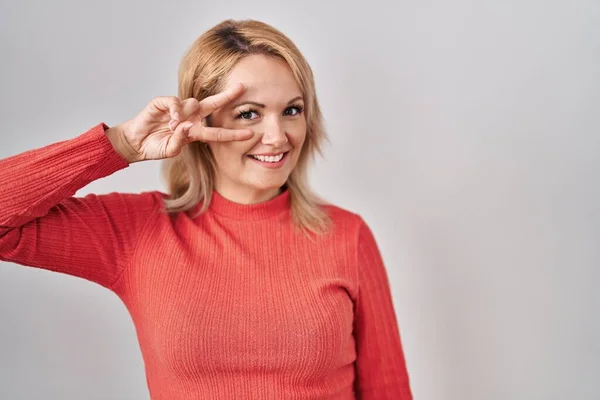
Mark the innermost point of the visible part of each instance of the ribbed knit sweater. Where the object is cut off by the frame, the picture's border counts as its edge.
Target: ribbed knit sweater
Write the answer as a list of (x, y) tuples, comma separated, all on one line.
[(232, 304)]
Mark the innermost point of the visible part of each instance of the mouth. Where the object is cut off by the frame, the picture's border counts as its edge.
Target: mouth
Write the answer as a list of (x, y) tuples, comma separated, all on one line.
[(269, 160)]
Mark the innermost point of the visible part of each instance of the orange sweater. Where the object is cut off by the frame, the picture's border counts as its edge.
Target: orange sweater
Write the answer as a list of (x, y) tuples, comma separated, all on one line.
[(233, 304)]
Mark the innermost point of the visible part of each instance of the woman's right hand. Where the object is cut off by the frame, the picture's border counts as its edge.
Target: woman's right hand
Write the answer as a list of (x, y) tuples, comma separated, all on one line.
[(167, 124)]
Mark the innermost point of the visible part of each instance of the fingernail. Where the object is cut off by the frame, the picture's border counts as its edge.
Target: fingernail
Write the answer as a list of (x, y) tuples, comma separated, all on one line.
[(173, 124)]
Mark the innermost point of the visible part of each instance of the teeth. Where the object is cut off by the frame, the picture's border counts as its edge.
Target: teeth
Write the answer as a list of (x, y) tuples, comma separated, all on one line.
[(271, 159)]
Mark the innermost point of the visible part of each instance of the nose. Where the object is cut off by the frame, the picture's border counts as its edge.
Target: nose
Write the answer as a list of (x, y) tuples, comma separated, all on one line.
[(274, 133)]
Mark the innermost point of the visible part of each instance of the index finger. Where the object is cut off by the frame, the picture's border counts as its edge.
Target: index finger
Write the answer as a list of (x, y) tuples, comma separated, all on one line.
[(213, 134), (211, 103)]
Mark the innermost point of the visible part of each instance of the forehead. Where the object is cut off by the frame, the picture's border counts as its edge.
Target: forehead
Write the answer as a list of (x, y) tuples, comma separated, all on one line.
[(264, 76)]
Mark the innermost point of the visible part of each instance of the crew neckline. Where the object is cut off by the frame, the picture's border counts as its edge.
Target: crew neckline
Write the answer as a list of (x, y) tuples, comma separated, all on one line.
[(263, 210)]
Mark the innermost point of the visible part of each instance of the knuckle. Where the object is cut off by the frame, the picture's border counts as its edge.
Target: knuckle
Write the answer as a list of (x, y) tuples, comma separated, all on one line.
[(189, 102)]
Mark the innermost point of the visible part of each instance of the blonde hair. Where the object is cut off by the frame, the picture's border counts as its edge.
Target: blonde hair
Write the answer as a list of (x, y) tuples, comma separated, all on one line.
[(190, 176)]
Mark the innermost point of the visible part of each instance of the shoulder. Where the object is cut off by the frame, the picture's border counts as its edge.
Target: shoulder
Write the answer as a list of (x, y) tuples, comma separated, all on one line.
[(147, 202), (352, 234), (151, 197), (344, 220), (351, 226)]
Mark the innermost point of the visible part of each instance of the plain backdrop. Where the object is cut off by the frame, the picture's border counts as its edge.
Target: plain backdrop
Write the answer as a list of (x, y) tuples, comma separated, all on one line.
[(465, 132)]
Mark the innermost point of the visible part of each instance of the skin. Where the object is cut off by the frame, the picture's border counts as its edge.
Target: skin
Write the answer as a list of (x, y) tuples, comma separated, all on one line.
[(278, 125)]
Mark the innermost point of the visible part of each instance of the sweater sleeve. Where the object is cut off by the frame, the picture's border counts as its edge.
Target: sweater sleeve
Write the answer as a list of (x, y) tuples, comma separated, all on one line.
[(380, 364), (43, 225)]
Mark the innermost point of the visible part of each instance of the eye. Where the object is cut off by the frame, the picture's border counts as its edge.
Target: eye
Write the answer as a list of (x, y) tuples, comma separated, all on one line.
[(293, 110), (247, 114)]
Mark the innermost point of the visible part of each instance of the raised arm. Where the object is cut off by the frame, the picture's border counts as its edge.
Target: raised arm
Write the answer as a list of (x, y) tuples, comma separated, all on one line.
[(43, 225)]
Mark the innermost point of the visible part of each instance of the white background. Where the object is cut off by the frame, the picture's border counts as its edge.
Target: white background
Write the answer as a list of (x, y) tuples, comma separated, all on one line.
[(465, 132)]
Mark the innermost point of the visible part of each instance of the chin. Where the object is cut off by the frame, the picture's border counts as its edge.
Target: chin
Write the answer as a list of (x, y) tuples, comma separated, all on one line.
[(268, 184)]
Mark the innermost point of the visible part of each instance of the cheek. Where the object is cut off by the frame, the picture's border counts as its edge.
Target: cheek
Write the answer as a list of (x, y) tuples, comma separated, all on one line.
[(227, 153), (297, 136)]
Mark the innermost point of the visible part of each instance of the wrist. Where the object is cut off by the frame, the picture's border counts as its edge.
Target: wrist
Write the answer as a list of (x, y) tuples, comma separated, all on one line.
[(117, 139)]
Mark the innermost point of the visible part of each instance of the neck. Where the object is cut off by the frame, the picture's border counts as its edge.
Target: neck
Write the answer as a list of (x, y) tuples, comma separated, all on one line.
[(247, 195)]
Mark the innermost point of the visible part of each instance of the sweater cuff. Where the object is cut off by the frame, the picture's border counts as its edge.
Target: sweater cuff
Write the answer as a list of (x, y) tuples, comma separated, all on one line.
[(113, 161)]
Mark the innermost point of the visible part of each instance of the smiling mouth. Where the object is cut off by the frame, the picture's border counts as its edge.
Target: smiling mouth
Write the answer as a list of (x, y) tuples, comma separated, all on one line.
[(272, 159)]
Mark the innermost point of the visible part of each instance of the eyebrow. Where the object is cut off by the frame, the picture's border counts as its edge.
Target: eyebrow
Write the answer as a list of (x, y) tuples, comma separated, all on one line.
[(260, 105)]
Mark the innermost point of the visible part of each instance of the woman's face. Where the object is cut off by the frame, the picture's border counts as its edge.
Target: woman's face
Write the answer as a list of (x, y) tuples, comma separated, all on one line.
[(273, 107)]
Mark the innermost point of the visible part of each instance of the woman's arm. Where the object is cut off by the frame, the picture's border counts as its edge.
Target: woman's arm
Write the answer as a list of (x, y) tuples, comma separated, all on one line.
[(380, 364), (42, 225)]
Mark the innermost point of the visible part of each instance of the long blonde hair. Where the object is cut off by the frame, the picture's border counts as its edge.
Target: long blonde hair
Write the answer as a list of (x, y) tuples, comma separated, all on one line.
[(190, 176)]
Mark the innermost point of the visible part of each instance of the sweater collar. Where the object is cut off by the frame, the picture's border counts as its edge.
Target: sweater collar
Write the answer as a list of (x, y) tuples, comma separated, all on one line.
[(264, 210)]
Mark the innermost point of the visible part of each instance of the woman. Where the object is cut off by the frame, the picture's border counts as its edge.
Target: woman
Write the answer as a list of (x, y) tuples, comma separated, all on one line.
[(241, 283)]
